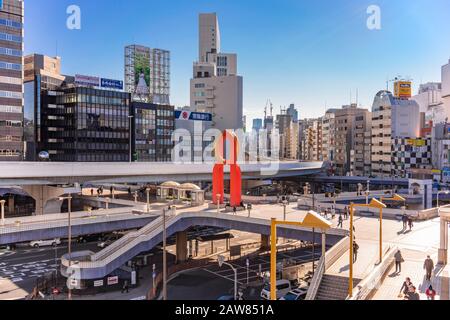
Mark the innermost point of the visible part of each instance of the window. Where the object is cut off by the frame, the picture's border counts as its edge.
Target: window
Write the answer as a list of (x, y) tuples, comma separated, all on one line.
[(10, 37), (10, 66)]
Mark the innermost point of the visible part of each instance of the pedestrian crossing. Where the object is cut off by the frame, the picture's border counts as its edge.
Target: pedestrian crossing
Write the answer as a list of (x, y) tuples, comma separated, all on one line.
[(20, 272)]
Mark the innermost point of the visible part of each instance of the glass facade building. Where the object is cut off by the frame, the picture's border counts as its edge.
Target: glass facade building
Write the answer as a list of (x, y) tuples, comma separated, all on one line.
[(153, 127), (85, 124), (11, 80)]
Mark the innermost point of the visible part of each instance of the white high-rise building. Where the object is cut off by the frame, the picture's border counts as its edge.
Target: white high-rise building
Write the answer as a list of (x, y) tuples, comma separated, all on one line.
[(215, 87)]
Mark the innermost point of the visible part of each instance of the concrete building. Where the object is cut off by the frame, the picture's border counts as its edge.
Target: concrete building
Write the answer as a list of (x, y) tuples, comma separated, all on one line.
[(41, 73), (311, 139), (11, 80), (328, 136), (147, 74), (215, 87), (430, 104), (446, 88), (351, 125), (194, 124), (391, 118)]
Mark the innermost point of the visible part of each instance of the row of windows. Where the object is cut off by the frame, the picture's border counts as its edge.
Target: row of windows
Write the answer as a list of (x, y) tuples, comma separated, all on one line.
[(10, 52), (10, 66), (11, 23), (164, 113), (199, 85), (10, 37), (10, 94), (10, 109), (10, 123), (167, 123), (10, 138), (11, 80), (9, 153)]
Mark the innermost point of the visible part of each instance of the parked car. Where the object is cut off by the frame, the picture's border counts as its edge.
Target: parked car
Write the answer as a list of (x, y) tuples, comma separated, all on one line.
[(90, 238), (107, 241), (296, 294), (283, 288), (45, 243)]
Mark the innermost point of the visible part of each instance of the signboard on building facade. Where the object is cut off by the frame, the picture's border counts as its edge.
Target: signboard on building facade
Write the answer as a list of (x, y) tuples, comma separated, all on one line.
[(112, 280), (87, 80), (403, 89), (188, 115), (111, 84), (98, 283)]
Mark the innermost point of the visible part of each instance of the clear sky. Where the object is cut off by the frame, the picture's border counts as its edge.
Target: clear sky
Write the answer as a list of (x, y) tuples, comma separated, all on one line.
[(311, 53)]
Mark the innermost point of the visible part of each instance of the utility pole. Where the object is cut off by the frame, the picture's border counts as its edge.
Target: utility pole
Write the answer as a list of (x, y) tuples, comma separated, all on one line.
[(164, 257)]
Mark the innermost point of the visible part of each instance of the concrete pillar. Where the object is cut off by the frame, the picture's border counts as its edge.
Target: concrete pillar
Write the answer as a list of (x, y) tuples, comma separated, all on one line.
[(11, 204), (42, 194), (181, 246), (443, 248), (265, 242)]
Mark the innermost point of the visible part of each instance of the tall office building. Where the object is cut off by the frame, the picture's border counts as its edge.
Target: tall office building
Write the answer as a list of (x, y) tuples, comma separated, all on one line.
[(392, 118), (41, 73), (85, 124), (147, 74), (215, 87), (293, 112), (11, 80)]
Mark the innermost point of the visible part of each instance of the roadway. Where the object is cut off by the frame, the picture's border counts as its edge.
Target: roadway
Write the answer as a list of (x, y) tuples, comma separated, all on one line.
[(57, 173)]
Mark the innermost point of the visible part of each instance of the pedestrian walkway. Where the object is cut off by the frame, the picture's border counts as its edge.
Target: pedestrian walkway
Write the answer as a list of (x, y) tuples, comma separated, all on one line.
[(365, 262), (413, 268)]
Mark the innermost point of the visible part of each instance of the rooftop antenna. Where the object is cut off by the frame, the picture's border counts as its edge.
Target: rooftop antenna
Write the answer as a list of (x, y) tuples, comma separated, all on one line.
[(56, 48)]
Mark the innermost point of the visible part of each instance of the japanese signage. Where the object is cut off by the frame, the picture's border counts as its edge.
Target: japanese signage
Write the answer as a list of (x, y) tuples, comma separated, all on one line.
[(87, 80), (112, 280), (403, 89), (112, 84), (196, 116)]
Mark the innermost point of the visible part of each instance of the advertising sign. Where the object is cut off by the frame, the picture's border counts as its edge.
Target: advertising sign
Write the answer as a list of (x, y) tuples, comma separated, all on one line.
[(403, 89), (197, 116), (416, 142), (98, 283), (133, 277), (87, 80), (142, 75), (112, 280), (111, 84)]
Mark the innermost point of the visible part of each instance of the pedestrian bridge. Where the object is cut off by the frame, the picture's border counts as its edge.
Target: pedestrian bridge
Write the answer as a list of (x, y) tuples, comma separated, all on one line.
[(91, 266)]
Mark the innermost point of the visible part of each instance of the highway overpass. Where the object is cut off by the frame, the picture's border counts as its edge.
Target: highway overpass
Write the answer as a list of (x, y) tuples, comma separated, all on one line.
[(61, 173)]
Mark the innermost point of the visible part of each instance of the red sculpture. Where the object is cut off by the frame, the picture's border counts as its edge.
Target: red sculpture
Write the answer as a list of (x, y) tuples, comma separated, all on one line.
[(235, 170)]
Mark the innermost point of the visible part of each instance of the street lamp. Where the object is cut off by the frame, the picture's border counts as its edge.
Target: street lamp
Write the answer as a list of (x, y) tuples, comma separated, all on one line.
[(312, 220), (130, 117), (164, 256), (2, 203), (440, 192), (148, 199), (221, 260), (285, 203), (218, 197), (373, 204), (69, 207)]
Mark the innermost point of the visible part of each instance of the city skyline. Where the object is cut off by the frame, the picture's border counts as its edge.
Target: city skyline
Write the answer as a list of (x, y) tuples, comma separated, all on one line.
[(293, 69)]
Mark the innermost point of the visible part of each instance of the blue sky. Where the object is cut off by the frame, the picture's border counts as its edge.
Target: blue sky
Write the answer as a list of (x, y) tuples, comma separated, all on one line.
[(311, 53)]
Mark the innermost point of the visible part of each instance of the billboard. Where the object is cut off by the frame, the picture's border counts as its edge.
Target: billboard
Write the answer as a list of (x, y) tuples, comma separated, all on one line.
[(416, 142), (142, 74), (403, 89), (196, 116), (111, 84), (87, 80)]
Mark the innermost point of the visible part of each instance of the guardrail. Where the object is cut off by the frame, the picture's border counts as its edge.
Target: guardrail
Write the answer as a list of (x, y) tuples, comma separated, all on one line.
[(373, 281), (325, 262)]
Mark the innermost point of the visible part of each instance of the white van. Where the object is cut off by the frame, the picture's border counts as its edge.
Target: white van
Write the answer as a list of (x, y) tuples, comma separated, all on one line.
[(283, 288)]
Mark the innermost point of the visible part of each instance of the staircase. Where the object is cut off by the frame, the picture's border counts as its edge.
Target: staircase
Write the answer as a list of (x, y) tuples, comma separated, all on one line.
[(334, 287)]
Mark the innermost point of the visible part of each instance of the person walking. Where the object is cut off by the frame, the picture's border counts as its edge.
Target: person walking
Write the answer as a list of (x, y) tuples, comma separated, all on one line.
[(125, 286), (428, 265), (346, 213), (92, 192), (431, 293), (355, 251), (405, 221), (340, 221), (405, 287), (410, 223), (398, 262), (412, 294), (234, 210)]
